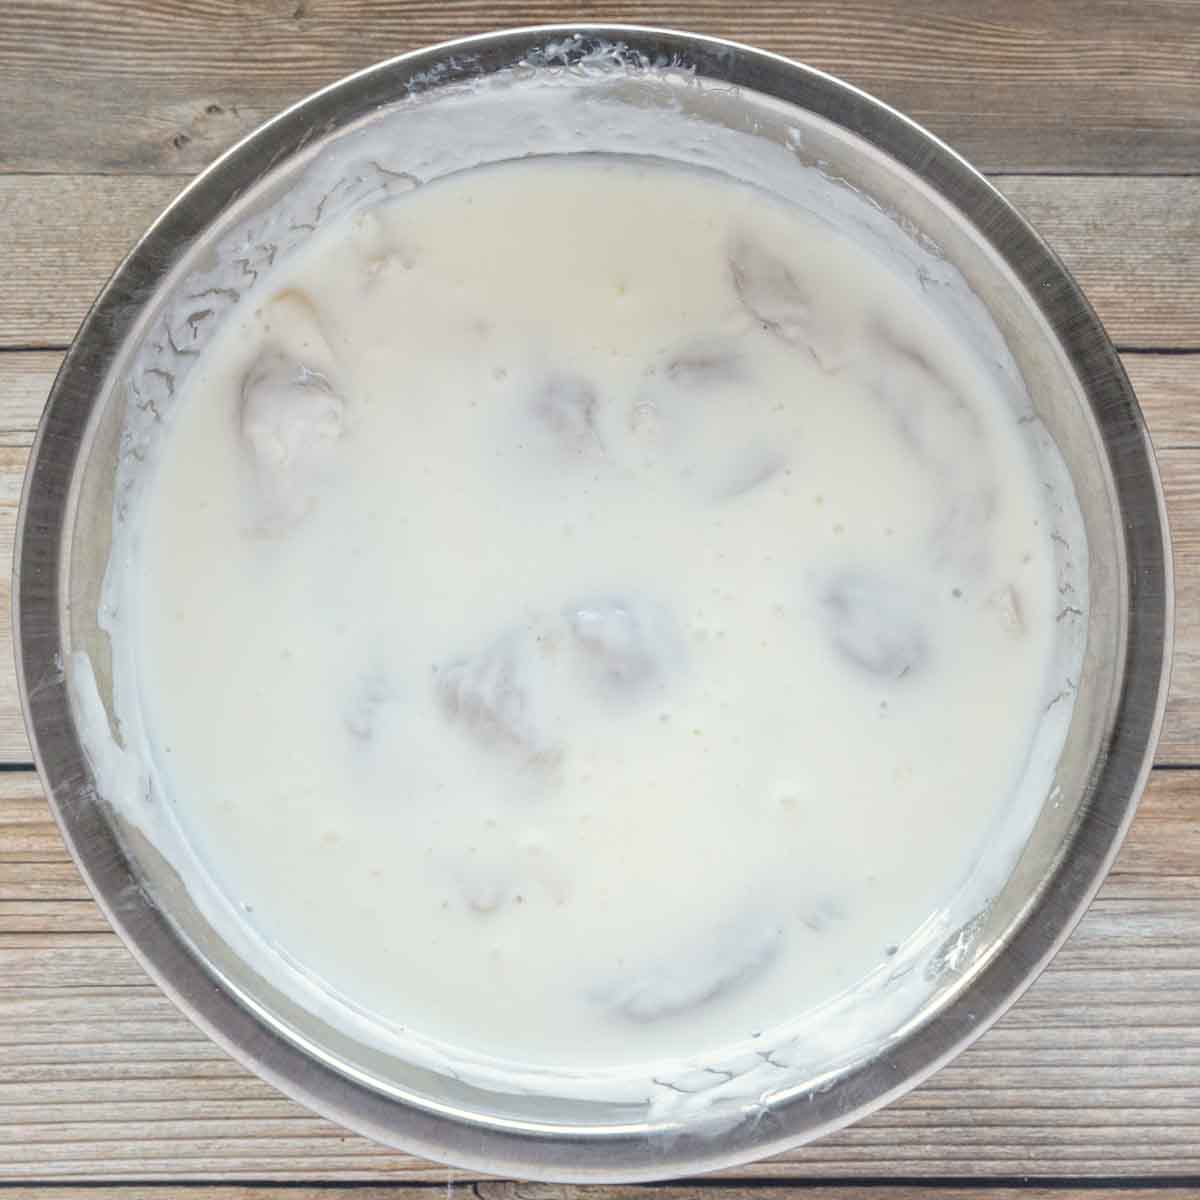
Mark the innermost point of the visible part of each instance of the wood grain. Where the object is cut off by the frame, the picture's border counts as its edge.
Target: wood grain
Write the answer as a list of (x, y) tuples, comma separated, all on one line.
[(495, 1189), (1180, 742), (1133, 244), (1096, 1071), (1168, 389), (109, 105), (1079, 85), (25, 379), (64, 236), (498, 1190)]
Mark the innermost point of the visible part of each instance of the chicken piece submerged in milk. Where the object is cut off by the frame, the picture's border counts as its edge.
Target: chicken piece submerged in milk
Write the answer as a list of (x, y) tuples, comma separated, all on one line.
[(510, 696), (789, 307), (291, 423), (873, 624), (626, 646), (655, 619), (497, 696), (707, 964), (679, 415), (565, 408), (291, 417)]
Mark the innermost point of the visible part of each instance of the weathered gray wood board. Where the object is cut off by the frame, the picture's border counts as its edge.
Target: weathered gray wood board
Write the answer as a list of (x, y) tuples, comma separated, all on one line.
[(1088, 113)]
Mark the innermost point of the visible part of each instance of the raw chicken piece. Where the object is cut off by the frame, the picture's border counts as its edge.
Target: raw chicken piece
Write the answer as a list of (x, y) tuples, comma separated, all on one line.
[(688, 391), (290, 420), (782, 302), (493, 697), (684, 977), (873, 625), (944, 434), (705, 363), (921, 401), (566, 408), (626, 646)]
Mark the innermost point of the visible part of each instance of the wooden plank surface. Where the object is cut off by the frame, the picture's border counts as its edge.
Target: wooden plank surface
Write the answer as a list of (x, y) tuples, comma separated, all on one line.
[(1075, 85), (1133, 244), (1095, 1072), (108, 105), (734, 1191), (504, 1190)]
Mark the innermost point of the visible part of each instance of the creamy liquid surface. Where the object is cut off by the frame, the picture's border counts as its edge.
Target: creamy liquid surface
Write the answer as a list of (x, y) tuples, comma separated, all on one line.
[(590, 611)]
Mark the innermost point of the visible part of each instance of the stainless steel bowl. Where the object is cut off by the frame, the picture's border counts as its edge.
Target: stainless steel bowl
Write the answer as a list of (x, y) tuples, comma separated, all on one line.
[(1078, 389)]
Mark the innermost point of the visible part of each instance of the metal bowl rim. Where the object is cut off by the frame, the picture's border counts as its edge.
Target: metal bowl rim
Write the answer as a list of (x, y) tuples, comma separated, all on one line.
[(38, 638)]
